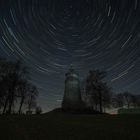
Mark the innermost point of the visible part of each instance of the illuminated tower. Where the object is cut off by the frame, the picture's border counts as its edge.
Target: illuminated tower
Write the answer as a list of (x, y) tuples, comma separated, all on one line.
[(72, 94)]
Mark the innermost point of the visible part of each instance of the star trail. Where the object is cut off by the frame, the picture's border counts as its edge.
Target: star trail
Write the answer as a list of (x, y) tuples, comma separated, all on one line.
[(50, 35)]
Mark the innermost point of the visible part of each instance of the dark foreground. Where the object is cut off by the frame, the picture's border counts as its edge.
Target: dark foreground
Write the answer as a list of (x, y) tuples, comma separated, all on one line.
[(60, 126)]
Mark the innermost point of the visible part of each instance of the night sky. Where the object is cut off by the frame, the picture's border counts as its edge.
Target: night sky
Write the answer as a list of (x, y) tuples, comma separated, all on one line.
[(50, 35)]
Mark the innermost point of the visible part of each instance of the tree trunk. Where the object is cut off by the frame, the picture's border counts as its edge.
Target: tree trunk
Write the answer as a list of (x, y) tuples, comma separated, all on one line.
[(5, 106), (12, 95), (96, 106), (128, 105), (100, 101), (10, 104), (20, 107), (127, 100)]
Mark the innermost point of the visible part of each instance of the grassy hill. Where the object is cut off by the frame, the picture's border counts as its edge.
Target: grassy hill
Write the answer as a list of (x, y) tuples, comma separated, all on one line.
[(61, 126)]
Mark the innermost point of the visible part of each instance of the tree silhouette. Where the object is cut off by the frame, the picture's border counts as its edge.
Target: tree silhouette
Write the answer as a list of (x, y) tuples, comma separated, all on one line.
[(18, 71), (127, 97), (31, 100), (14, 85), (118, 100), (97, 91), (5, 81), (23, 90)]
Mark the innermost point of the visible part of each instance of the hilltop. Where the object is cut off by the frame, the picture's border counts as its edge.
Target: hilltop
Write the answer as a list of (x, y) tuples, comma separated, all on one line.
[(56, 125)]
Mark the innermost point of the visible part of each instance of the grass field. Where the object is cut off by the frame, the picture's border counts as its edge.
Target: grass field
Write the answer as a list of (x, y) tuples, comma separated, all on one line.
[(60, 126)]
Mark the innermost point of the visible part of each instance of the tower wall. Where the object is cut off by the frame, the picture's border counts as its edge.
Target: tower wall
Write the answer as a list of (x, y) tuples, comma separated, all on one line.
[(72, 94)]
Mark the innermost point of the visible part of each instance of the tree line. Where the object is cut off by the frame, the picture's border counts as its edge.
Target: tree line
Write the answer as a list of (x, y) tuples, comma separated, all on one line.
[(16, 90), (99, 95), (126, 99)]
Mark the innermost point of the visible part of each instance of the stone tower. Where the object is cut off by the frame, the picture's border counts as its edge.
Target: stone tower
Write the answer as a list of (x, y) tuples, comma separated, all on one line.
[(72, 94)]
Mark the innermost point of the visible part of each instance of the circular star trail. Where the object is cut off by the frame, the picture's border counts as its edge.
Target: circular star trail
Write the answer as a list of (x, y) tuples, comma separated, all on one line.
[(50, 35)]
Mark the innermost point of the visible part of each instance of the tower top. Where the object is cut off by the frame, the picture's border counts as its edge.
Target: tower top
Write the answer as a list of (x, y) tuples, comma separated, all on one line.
[(71, 69), (71, 74)]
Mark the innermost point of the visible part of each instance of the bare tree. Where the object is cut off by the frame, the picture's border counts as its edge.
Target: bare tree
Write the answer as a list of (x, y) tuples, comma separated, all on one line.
[(128, 99), (31, 99), (5, 82), (18, 72), (97, 90), (14, 86), (23, 90), (119, 100)]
